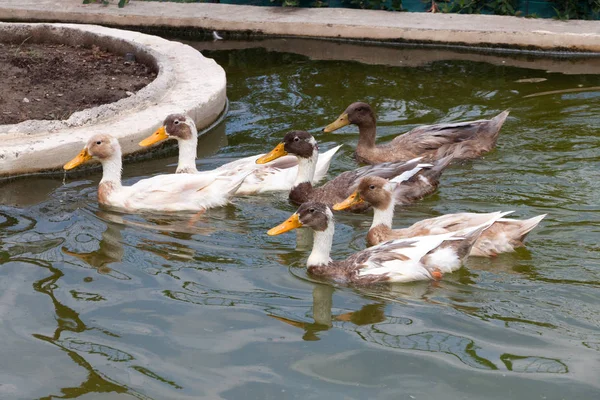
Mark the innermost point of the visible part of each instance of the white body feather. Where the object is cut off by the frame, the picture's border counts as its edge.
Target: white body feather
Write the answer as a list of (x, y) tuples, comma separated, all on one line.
[(169, 192), (260, 177)]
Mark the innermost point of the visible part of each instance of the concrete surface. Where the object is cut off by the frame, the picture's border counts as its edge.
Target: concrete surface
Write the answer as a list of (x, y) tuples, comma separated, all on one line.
[(492, 30), (186, 82)]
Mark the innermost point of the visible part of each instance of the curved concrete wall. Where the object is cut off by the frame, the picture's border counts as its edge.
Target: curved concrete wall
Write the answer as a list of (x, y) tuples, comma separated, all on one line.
[(186, 82)]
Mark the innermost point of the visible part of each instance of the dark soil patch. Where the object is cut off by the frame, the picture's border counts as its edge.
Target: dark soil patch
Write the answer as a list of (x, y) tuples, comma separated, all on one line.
[(46, 81)]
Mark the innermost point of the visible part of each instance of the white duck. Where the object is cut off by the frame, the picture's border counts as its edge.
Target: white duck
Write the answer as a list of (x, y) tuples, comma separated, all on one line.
[(169, 192), (502, 237), (402, 260), (275, 176)]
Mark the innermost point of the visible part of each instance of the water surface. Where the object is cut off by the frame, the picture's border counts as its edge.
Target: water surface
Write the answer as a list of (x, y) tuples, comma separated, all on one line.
[(100, 305)]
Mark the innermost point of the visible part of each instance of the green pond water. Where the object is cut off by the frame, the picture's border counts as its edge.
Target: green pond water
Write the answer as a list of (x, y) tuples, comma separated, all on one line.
[(101, 305)]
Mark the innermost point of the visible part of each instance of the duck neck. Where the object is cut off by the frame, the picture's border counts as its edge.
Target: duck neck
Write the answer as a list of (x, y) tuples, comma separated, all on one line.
[(306, 168), (383, 216), (187, 155), (111, 170), (321, 246), (366, 134)]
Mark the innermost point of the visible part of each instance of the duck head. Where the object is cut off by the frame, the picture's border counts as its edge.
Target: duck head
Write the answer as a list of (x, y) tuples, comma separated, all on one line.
[(374, 190), (358, 113), (175, 126), (314, 215), (299, 143), (100, 146)]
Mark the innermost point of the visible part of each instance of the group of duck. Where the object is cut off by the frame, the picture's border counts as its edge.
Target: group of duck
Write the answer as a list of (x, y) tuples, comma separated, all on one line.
[(397, 173)]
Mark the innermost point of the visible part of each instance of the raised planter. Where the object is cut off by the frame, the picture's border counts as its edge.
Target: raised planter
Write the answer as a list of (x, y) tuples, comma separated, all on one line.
[(186, 82)]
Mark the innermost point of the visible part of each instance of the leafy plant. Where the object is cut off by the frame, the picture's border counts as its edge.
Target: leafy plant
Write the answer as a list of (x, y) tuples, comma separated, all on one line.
[(463, 6), (390, 5), (502, 7), (121, 3), (576, 9)]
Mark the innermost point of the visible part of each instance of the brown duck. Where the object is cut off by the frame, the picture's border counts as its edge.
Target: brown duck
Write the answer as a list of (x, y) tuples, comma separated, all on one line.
[(417, 179), (462, 140), (503, 236)]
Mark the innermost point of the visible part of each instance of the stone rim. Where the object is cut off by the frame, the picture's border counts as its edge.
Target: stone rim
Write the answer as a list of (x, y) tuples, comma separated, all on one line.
[(186, 82)]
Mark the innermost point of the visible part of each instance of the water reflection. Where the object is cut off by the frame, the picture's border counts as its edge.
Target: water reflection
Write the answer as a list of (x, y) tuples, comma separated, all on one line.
[(402, 56), (372, 325), (68, 321), (149, 306)]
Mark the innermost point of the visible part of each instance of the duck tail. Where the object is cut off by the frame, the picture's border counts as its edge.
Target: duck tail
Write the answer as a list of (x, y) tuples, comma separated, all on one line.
[(434, 173), (323, 163), (237, 182), (470, 235), (526, 226), (494, 126)]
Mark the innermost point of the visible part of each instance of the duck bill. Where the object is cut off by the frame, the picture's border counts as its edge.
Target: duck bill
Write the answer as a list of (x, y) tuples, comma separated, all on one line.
[(80, 159), (338, 123), (274, 154), (158, 136), (353, 200), (292, 222)]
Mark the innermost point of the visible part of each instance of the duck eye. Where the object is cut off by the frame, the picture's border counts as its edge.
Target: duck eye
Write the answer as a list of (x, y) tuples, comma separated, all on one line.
[(176, 122), (296, 139), (311, 210), (99, 142), (372, 187)]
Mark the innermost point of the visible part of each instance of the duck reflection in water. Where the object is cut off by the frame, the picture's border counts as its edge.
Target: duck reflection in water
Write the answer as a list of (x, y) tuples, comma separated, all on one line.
[(323, 317)]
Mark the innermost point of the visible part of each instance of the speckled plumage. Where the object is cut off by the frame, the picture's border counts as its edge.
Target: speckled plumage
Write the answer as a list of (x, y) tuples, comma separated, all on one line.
[(302, 145), (462, 140), (404, 260), (504, 235)]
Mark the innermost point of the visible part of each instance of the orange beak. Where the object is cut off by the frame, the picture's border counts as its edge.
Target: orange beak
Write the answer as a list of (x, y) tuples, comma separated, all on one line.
[(353, 200), (82, 157), (292, 222), (338, 123), (274, 154), (158, 136)]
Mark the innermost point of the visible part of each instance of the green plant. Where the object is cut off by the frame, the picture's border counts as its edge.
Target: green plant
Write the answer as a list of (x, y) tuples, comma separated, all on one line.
[(121, 3), (576, 9), (502, 7), (390, 5), (463, 6)]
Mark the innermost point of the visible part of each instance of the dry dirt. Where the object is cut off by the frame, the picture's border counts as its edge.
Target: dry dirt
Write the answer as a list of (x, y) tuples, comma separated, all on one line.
[(45, 81)]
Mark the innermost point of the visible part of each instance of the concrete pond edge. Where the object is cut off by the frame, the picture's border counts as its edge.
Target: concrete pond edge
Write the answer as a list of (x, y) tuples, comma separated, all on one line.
[(327, 23), (186, 82)]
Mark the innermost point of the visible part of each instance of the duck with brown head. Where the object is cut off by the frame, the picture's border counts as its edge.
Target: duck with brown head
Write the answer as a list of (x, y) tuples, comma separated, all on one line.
[(462, 140), (504, 235), (402, 260), (304, 146), (170, 192), (275, 176)]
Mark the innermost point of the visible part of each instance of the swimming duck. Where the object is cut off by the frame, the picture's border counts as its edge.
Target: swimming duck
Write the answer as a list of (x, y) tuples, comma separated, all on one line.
[(503, 236), (304, 146), (275, 176), (401, 260), (462, 140), (170, 192)]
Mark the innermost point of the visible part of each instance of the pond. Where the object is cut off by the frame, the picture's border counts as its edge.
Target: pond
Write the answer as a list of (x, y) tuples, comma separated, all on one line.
[(100, 305)]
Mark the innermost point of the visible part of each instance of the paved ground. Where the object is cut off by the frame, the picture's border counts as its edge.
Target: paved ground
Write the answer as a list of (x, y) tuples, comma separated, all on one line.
[(321, 22)]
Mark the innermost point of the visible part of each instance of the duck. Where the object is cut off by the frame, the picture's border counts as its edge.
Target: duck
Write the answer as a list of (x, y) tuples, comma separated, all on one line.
[(503, 236), (275, 176), (401, 260), (161, 193), (462, 140), (304, 146)]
